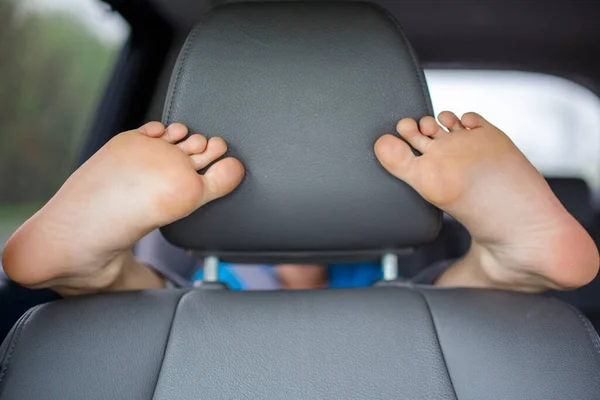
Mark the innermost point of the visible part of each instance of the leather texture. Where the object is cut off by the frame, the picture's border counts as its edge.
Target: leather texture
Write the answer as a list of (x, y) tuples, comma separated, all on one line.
[(15, 300), (105, 347), (301, 92), (407, 342)]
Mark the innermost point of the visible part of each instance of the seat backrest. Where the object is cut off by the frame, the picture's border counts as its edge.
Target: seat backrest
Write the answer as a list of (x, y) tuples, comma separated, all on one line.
[(377, 343)]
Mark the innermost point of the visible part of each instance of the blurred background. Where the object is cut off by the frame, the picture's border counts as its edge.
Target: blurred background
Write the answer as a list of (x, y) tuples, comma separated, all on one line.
[(56, 57)]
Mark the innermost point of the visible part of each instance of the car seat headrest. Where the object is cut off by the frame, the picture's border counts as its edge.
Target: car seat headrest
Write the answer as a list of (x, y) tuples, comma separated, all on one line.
[(301, 92)]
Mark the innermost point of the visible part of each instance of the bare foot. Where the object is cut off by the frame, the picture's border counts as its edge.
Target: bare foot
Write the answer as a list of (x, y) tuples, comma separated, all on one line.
[(80, 241), (522, 237)]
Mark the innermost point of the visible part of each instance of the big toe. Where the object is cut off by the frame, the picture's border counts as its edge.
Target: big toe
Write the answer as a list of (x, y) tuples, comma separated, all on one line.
[(395, 156), (222, 178)]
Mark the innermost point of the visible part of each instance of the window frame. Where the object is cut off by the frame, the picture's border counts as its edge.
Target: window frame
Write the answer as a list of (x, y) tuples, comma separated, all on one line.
[(133, 81)]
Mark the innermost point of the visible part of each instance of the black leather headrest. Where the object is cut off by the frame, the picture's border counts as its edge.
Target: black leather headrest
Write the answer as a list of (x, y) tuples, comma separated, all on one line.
[(301, 92)]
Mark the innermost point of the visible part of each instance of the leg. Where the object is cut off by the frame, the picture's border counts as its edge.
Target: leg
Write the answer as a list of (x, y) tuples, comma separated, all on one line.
[(80, 241), (522, 237)]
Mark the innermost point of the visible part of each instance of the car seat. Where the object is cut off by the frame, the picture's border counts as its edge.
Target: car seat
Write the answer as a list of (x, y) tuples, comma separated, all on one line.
[(301, 91)]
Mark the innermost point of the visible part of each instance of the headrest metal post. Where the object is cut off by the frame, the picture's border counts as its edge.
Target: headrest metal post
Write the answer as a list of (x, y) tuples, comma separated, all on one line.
[(389, 264), (211, 269)]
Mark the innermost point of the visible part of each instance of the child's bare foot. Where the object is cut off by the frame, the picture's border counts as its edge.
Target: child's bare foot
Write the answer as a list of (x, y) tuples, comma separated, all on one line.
[(523, 238), (80, 241)]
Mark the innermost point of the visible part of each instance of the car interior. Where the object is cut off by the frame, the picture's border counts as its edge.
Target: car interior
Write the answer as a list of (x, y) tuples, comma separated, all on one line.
[(285, 83)]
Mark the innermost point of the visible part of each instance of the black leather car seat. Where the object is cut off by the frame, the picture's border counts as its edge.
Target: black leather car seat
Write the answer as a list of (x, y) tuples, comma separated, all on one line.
[(301, 91)]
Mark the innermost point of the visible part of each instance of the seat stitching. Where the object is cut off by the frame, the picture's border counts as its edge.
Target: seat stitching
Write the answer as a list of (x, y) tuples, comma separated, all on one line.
[(184, 55), (15, 340), (588, 327), (413, 56), (437, 337), (162, 361)]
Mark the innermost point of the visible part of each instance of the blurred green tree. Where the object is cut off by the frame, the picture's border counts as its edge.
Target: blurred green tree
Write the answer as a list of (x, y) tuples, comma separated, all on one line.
[(52, 71)]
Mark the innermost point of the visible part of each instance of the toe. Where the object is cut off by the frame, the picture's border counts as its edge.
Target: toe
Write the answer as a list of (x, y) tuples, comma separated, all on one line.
[(430, 127), (473, 120), (193, 145), (152, 129), (215, 148), (222, 178), (395, 156), (175, 132), (408, 129), (450, 121)]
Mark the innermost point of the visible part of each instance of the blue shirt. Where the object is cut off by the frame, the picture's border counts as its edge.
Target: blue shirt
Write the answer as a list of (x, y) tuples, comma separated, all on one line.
[(263, 277)]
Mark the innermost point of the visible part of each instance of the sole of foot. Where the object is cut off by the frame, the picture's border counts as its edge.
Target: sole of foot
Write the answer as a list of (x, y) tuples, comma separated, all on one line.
[(80, 241), (522, 236)]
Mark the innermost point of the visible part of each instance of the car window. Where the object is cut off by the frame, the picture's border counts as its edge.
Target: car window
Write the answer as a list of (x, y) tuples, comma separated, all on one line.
[(55, 59), (554, 121)]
